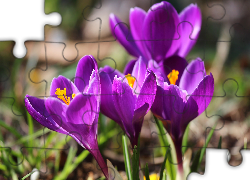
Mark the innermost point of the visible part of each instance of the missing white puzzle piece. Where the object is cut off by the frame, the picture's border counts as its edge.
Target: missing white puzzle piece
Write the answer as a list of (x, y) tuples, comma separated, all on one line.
[(23, 20), (217, 167)]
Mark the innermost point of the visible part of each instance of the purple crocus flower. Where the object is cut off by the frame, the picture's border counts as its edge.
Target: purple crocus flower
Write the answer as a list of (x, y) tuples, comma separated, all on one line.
[(184, 97), (73, 108), (159, 33), (127, 98)]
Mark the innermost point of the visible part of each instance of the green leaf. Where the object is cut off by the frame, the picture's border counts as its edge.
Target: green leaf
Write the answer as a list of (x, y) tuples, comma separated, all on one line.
[(11, 129), (219, 145), (199, 155), (164, 175), (135, 164), (102, 123), (30, 123), (245, 143), (195, 164), (126, 157), (147, 172), (166, 143), (185, 140), (163, 164), (57, 162), (30, 143), (206, 144), (24, 139), (67, 170), (13, 174), (28, 175)]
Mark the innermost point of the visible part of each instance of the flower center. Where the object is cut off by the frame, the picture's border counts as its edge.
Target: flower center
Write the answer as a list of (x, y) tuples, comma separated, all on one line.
[(61, 94), (131, 80), (173, 76)]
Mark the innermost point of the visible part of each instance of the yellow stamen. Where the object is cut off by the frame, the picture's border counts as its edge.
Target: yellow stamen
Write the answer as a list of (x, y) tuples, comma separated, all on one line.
[(131, 80), (173, 76), (153, 177), (61, 94)]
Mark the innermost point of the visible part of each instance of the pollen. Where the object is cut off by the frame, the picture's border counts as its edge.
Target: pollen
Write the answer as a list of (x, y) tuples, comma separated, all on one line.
[(61, 94), (131, 80), (173, 76)]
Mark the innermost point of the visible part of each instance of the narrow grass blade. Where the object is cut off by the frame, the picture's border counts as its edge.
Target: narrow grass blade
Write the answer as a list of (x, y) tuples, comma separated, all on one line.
[(57, 162), (135, 164), (28, 175), (67, 170), (195, 164), (163, 164), (126, 157), (165, 143), (13, 174), (11, 129), (71, 155), (245, 143), (31, 137), (164, 175), (219, 145), (185, 140), (146, 172), (206, 144)]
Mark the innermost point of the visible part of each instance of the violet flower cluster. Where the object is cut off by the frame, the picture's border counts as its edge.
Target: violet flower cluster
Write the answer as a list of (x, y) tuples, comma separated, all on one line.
[(162, 38), (160, 79)]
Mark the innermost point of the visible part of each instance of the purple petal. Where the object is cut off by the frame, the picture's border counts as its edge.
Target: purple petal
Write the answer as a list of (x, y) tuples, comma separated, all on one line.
[(173, 63), (190, 19), (129, 67), (160, 30), (84, 70), (153, 66), (148, 92), (84, 109), (136, 19), (84, 134), (107, 104), (192, 75), (174, 102), (124, 102), (139, 73), (36, 108), (111, 72), (199, 100), (158, 106), (203, 93), (62, 82), (77, 118), (94, 85), (138, 121), (82, 120), (99, 159), (57, 111), (123, 35)]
